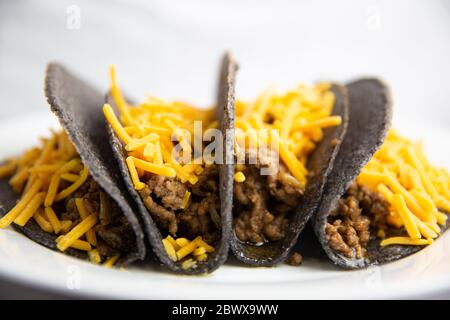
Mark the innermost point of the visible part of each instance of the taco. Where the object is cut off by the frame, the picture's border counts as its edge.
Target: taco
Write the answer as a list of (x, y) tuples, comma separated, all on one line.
[(182, 197), (64, 194), (383, 200), (285, 148)]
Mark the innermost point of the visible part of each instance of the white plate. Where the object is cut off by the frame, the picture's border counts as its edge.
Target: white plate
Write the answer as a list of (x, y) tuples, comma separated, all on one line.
[(424, 274)]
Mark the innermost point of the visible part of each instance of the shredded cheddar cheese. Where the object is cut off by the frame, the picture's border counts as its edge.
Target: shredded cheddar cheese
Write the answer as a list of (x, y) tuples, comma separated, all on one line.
[(415, 190), (111, 261), (45, 176), (94, 256), (146, 131), (150, 132), (239, 176), (186, 251), (65, 226), (185, 200), (293, 122), (42, 222), (8, 169)]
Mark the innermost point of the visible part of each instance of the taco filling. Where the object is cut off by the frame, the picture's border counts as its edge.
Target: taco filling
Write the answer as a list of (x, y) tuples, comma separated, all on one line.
[(399, 198), (180, 193), (275, 135), (58, 193)]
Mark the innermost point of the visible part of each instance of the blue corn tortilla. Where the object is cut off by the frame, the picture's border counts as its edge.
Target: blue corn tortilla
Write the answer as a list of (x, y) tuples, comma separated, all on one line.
[(77, 106), (8, 199), (370, 119), (319, 165), (225, 113)]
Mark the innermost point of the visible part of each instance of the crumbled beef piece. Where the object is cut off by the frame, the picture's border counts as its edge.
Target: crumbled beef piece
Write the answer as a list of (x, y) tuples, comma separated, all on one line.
[(90, 192), (264, 203), (163, 197), (275, 226), (116, 234), (350, 223), (164, 217), (295, 259), (284, 187), (207, 182), (170, 191), (105, 250), (70, 211), (197, 219)]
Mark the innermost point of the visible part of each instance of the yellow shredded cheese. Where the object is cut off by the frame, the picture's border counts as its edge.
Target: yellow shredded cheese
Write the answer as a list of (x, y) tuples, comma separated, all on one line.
[(182, 242), (168, 246), (78, 231), (406, 216), (142, 142), (73, 187), (115, 124), (78, 244), (20, 206), (150, 133), (30, 209), (52, 190), (401, 174), (294, 123), (189, 263), (199, 251), (44, 176), (42, 222), (146, 131), (239, 176), (19, 179), (8, 168), (186, 251), (90, 234), (138, 185), (185, 200), (65, 226), (202, 243), (111, 261), (173, 242), (69, 177), (46, 168), (51, 215), (153, 168), (94, 256), (202, 257), (405, 241)]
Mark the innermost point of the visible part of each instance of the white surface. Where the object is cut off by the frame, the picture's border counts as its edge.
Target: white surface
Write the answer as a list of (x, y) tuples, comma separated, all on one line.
[(422, 275), (171, 49)]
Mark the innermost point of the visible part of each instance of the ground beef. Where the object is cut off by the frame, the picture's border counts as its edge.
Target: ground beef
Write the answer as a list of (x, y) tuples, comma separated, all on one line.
[(284, 187), (263, 203), (69, 211), (169, 191), (165, 218), (295, 259), (163, 198), (350, 225), (114, 236)]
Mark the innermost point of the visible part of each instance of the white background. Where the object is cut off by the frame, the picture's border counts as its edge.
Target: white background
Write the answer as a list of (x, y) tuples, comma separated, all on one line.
[(172, 48)]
